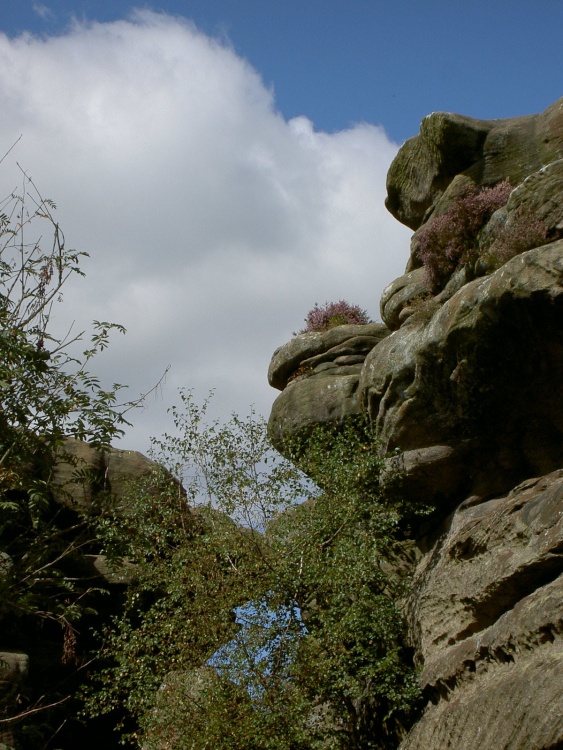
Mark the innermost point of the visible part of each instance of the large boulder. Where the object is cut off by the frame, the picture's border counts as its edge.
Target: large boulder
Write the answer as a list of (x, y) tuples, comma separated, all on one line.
[(486, 620), (318, 375), (81, 471), (465, 386), (482, 374), (487, 151)]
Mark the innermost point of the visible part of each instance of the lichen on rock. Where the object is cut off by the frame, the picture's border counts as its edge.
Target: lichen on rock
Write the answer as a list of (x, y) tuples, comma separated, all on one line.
[(465, 384)]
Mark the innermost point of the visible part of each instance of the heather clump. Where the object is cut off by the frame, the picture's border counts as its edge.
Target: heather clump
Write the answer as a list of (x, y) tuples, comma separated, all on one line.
[(333, 314), (451, 240), (523, 232)]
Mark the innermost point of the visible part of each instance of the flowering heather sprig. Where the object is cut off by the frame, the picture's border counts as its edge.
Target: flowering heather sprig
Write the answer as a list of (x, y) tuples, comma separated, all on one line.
[(524, 232), (450, 240), (333, 314)]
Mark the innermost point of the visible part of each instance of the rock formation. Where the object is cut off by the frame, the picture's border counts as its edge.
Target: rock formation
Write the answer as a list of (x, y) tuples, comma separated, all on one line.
[(466, 381), (31, 660), (318, 374)]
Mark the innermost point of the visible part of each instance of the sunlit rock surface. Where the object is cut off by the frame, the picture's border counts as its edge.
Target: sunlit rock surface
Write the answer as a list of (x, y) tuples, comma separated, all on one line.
[(467, 384)]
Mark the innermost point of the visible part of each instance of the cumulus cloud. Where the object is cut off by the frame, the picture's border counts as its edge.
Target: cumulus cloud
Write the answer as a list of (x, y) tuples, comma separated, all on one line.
[(213, 224)]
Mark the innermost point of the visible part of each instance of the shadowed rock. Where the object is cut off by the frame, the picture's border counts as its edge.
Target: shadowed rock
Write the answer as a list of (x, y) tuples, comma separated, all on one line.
[(487, 619), (485, 372), (468, 389)]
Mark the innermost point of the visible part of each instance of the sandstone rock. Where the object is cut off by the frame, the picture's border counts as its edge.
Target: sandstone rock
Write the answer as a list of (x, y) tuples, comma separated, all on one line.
[(430, 476), (306, 347), (317, 400), (120, 575), (426, 164), (325, 393), (352, 346), (467, 388), (402, 293), (486, 619), (487, 151), (541, 194), (517, 707), (110, 471), (485, 370)]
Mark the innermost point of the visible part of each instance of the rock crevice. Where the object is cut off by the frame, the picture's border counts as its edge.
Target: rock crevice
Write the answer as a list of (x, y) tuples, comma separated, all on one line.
[(466, 383)]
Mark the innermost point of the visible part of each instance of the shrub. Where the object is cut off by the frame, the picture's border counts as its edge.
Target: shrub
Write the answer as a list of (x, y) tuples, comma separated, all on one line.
[(333, 314), (451, 240), (316, 658), (523, 232), (47, 394)]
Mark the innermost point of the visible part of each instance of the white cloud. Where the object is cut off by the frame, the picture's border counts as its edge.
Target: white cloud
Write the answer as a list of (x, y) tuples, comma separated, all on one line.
[(213, 224), (42, 10)]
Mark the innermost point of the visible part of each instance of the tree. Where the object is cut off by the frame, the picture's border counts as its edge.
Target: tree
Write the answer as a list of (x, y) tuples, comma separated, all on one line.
[(47, 394), (266, 609)]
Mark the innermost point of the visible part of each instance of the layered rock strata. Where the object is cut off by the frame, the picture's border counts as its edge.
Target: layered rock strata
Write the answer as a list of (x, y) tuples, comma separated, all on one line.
[(466, 382), (318, 374)]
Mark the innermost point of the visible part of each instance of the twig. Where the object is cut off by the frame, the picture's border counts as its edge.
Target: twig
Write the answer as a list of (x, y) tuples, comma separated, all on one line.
[(35, 710)]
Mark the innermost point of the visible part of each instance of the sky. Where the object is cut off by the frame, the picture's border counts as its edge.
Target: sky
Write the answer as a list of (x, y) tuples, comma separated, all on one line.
[(223, 162)]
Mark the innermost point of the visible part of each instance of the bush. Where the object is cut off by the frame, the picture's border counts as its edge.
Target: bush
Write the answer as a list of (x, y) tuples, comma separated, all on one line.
[(451, 240), (46, 395), (522, 232), (316, 657), (333, 314)]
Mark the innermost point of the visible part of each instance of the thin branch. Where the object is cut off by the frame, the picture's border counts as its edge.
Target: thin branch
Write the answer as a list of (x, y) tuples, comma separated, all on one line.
[(34, 710), (15, 143)]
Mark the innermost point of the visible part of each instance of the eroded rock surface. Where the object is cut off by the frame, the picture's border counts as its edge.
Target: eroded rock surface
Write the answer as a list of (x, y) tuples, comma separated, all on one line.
[(84, 471), (487, 620), (483, 373), (318, 374), (468, 387), (487, 151)]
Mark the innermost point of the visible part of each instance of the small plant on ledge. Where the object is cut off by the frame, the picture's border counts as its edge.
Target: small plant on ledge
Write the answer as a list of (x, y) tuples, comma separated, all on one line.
[(451, 240), (333, 314)]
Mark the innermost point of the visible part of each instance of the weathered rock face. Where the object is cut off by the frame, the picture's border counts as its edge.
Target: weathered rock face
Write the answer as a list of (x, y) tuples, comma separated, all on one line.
[(318, 375), (482, 374), (468, 387), (110, 471), (79, 474), (487, 151), (487, 619)]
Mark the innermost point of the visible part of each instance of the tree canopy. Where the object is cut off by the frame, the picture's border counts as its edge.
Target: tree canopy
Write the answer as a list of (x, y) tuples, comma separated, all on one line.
[(265, 606)]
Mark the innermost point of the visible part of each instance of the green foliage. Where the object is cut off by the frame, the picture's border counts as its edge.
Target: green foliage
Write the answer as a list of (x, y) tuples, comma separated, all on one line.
[(265, 611), (47, 394)]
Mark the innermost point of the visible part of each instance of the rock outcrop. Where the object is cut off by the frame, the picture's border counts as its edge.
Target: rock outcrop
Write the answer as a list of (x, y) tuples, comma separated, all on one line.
[(487, 620), (32, 659), (466, 382), (81, 472), (486, 151), (318, 374)]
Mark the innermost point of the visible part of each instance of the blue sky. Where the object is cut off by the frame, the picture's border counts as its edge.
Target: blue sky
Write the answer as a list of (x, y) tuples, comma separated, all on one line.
[(344, 61), (224, 163)]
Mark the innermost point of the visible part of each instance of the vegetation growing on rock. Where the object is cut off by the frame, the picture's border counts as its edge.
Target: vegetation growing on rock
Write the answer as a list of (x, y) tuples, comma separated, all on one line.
[(317, 657), (47, 395), (332, 314), (450, 240)]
